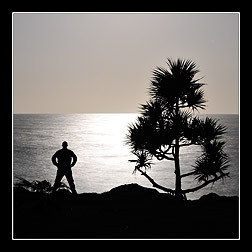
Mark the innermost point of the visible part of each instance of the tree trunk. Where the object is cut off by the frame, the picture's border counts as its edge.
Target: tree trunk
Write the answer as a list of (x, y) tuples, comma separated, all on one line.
[(178, 191)]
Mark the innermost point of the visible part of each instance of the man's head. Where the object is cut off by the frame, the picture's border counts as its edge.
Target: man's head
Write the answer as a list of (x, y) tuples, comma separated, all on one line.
[(64, 144)]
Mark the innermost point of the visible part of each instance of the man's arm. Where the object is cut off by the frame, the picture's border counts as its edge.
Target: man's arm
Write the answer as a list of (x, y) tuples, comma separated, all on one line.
[(74, 159), (54, 159)]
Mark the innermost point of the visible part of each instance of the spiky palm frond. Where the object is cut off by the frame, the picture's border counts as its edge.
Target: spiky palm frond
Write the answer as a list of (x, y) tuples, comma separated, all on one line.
[(143, 160), (182, 68), (136, 136), (205, 130), (145, 134), (155, 128), (195, 99), (175, 125), (163, 87), (153, 110), (211, 129), (212, 163), (177, 84)]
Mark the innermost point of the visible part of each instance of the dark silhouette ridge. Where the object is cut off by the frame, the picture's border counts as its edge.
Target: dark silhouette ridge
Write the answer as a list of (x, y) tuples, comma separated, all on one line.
[(127, 211), (64, 159), (167, 124)]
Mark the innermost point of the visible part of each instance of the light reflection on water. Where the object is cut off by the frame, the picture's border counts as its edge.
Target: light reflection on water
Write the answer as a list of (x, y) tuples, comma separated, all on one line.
[(98, 141)]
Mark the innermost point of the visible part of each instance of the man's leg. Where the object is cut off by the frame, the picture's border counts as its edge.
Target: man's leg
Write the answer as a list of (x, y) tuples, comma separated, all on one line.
[(58, 178), (70, 181)]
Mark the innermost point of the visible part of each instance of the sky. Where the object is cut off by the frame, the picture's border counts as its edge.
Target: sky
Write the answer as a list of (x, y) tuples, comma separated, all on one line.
[(103, 62)]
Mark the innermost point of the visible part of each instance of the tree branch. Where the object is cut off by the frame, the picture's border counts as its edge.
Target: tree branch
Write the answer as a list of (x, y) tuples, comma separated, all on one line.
[(168, 158), (166, 151), (187, 174), (204, 184), (160, 156), (154, 184)]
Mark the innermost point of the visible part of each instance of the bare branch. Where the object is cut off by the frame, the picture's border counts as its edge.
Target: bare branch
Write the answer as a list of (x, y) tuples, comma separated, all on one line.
[(169, 158), (160, 156), (154, 184), (187, 174), (166, 152), (204, 184)]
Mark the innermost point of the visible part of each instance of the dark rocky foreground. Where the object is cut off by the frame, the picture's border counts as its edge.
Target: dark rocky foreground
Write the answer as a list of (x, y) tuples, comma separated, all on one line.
[(128, 211)]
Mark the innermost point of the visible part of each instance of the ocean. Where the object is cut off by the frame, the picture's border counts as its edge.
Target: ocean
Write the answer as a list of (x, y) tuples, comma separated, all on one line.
[(98, 140)]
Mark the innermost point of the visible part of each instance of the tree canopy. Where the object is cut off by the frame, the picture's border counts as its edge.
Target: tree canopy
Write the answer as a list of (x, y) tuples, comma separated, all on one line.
[(167, 123)]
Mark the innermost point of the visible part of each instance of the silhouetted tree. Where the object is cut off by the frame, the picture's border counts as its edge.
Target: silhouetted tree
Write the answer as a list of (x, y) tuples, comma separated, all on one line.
[(167, 123)]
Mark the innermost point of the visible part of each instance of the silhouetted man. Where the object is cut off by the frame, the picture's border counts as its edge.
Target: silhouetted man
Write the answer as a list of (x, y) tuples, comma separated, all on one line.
[(64, 159)]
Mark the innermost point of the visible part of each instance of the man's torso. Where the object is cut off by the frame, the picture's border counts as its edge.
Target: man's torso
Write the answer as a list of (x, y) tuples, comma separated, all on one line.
[(64, 157)]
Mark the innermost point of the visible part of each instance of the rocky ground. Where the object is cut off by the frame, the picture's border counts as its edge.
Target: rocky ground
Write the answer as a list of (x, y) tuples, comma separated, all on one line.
[(128, 211)]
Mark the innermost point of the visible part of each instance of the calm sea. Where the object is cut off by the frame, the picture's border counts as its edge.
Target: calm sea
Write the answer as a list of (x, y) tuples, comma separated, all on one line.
[(98, 142)]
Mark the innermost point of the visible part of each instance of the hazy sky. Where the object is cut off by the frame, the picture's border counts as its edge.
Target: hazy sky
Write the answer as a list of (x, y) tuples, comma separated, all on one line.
[(103, 62)]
